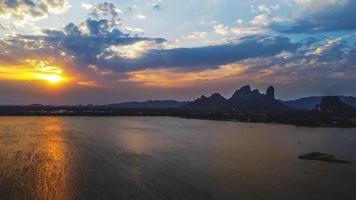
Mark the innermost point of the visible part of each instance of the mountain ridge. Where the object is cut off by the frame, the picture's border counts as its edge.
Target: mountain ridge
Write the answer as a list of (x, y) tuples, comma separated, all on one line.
[(243, 100), (309, 103), (333, 104)]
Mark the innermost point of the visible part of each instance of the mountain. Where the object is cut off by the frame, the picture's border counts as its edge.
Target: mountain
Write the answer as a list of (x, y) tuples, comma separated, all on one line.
[(150, 104), (309, 103), (333, 104), (349, 100), (246, 99), (215, 102), (243, 100)]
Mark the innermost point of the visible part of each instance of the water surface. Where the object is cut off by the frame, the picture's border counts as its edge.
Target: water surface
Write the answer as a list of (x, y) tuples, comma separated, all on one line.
[(170, 158)]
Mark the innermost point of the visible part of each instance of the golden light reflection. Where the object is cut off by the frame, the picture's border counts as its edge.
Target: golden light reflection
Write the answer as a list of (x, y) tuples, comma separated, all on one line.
[(175, 77), (54, 174)]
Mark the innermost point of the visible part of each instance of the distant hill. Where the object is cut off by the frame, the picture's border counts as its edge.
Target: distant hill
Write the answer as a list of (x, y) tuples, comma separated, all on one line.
[(150, 104), (243, 100), (333, 104), (215, 102), (348, 100), (309, 103)]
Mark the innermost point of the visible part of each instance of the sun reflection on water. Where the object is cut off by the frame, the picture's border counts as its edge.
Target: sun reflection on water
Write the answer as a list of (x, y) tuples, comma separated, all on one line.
[(53, 181), (35, 159)]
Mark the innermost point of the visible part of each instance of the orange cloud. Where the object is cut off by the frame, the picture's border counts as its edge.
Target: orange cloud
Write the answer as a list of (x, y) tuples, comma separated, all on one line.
[(177, 77), (88, 83)]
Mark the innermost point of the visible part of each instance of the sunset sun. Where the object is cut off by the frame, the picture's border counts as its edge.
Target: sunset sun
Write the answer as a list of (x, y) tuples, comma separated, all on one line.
[(51, 78)]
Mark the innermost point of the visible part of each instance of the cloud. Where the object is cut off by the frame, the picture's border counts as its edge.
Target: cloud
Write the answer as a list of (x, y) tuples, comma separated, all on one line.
[(240, 30), (96, 43), (141, 17), (72, 29), (202, 57), (172, 78), (87, 6), (105, 9), (267, 9), (319, 4), (130, 51), (261, 20), (75, 47), (104, 54), (332, 58), (265, 15), (221, 29), (324, 16), (317, 64), (157, 6), (29, 9), (131, 8), (195, 35), (134, 30)]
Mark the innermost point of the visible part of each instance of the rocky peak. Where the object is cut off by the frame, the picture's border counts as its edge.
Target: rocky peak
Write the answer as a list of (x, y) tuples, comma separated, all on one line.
[(243, 100), (215, 102), (256, 92), (245, 88), (203, 97), (244, 91), (270, 92), (217, 96)]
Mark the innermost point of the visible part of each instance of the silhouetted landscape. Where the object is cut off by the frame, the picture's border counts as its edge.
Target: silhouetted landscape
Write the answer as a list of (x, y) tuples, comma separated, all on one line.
[(245, 105)]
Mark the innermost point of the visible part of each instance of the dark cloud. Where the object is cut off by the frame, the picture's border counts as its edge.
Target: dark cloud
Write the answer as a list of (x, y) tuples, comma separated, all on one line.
[(97, 27), (105, 9), (72, 29), (84, 47), (338, 17), (157, 6), (205, 57)]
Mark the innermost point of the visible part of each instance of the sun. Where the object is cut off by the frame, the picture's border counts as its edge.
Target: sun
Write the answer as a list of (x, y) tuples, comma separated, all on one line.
[(52, 78), (49, 73)]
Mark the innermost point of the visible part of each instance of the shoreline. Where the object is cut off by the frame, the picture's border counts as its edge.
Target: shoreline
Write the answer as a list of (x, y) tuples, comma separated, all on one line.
[(276, 118)]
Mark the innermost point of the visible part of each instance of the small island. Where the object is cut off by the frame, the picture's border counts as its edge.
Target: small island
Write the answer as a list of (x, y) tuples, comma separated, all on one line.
[(322, 157)]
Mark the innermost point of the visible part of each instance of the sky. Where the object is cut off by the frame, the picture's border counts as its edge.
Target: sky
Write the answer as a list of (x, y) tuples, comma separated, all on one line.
[(99, 52)]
